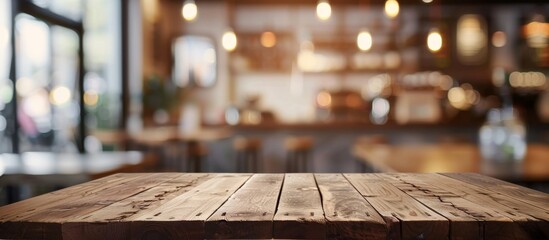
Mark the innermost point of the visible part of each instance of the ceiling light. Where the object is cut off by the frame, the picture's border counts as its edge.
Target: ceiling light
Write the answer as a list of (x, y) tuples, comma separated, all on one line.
[(364, 40), (229, 40), (391, 8), (189, 12), (434, 40), (323, 10)]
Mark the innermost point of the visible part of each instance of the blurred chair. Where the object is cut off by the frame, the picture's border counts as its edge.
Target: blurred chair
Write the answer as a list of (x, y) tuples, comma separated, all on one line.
[(247, 154), (298, 151), (196, 155)]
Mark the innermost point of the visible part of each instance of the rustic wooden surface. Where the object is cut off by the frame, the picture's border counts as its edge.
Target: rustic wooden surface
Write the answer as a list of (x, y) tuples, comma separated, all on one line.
[(263, 206)]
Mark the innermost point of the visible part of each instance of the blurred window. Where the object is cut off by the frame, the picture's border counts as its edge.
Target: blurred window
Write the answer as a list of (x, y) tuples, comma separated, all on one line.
[(48, 75), (6, 86), (72, 9), (102, 82)]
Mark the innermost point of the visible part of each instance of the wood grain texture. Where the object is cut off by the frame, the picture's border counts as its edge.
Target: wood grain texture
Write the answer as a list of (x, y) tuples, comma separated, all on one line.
[(18, 219), (311, 206), (20, 210), (249, 212), (75, 209), (531, 222), (183, 217), (468, 220), (110, 220), (523, 194), (299, 213), (405, 217), (348, 214), (67, 211)]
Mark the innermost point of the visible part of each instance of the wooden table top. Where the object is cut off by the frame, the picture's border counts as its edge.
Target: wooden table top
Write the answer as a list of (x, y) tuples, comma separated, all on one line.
[(451, 157), (343, 206)]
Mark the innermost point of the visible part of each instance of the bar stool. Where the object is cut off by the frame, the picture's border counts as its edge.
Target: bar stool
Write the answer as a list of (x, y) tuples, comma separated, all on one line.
[(196, 153), (298, 150), (247, 154)]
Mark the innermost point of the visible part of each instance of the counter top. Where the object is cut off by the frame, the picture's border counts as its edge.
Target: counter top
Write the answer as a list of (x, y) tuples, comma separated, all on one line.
[(349, 126), (454, 157)]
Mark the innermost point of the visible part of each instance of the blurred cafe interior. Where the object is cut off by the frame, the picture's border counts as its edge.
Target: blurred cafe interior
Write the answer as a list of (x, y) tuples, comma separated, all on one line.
[(90, 88)]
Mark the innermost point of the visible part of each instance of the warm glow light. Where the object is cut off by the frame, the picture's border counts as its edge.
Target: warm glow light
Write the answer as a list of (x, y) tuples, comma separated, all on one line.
[(150, 10), (268, 39), (323, 10), (364, 40), (499, 39), (323, 99), (91, 98), (427, 1), (527, 79), (434, 41), (458, 98), (446, 82), (537, 32), (229, 41), (471, 38), (391, 8), (189, 10), (60, 95)]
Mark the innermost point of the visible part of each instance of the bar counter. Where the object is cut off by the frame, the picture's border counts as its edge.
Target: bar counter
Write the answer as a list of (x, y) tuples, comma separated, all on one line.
[(282, 206)]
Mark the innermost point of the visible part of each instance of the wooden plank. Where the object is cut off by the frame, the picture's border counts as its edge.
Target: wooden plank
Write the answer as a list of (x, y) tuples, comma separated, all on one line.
[(405, 217), (25, 207), (67, 210), (249, 212), (13, 217), (523, 194), (468, 220), (109, 222), (299, 213), (532, 221), (183, 217), (348, 214)]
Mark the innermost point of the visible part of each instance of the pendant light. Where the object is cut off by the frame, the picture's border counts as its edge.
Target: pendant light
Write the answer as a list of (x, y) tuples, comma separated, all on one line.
[(364, 40), (434, 40), (189, 12), (391, 8), (323, 10), (229, 40)]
